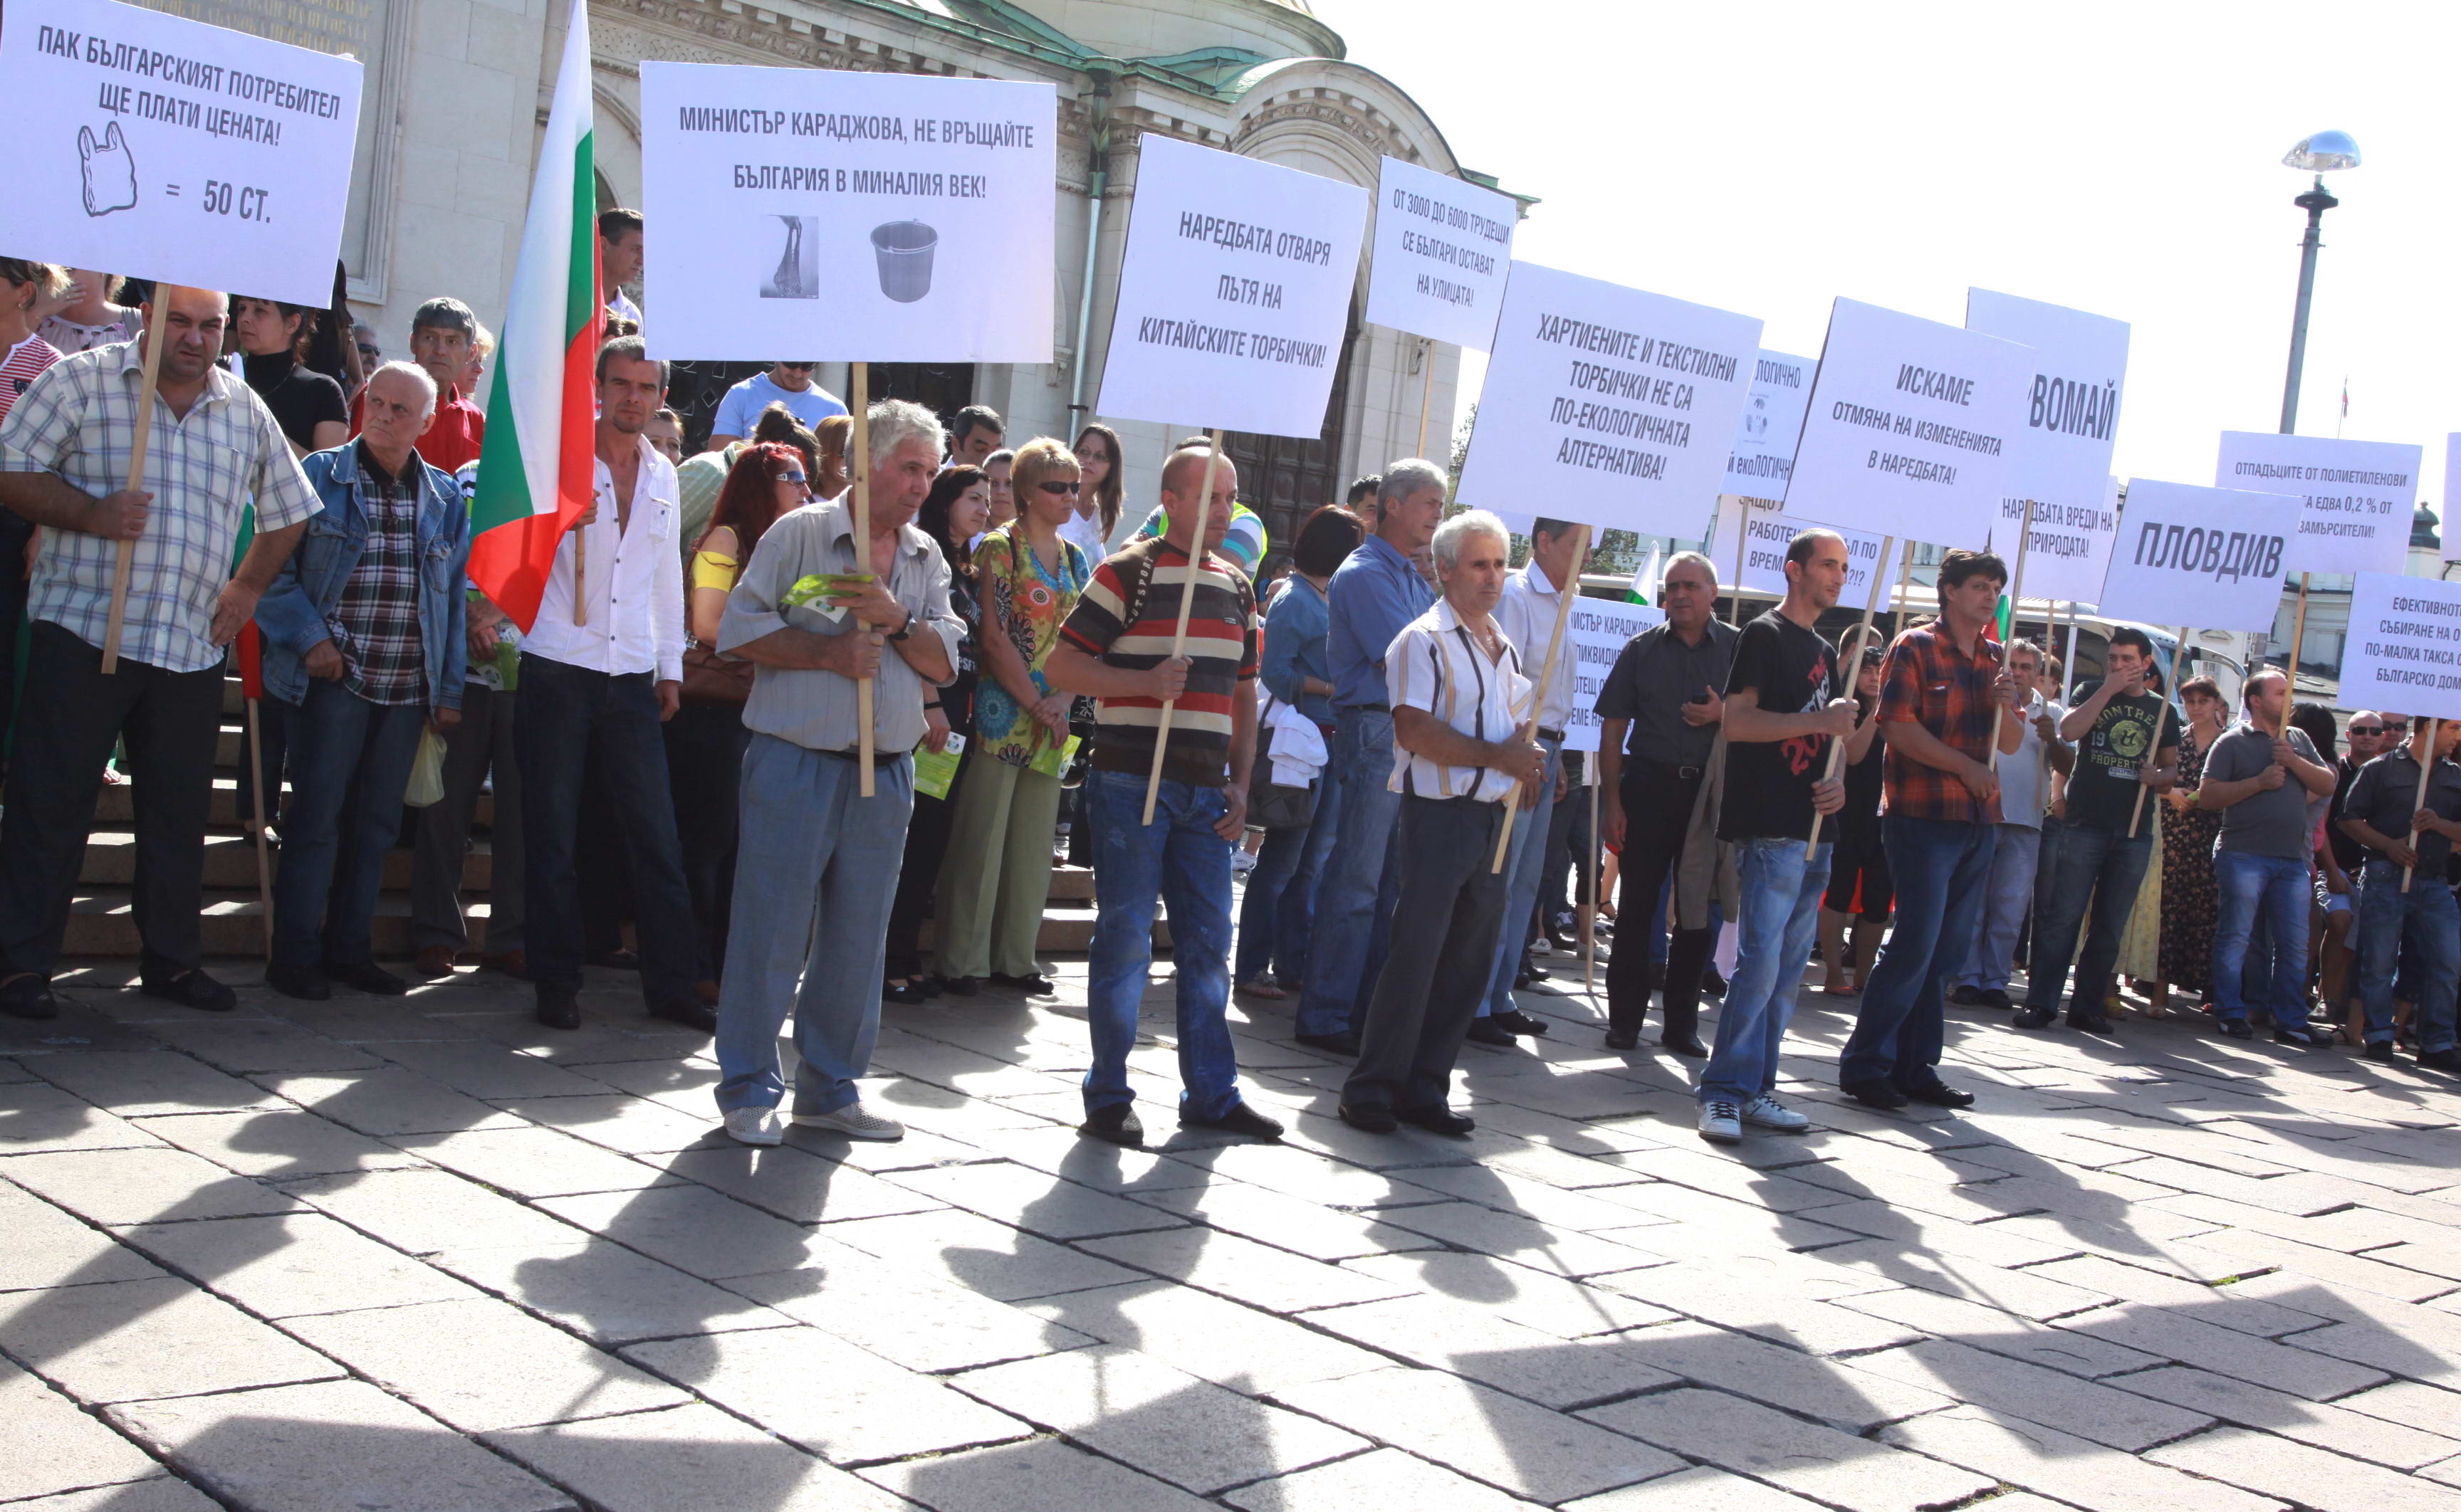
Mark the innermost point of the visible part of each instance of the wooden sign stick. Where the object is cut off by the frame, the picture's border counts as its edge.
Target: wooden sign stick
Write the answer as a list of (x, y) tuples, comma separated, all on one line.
[(2015, 586), (1862, 637), (2290, 673), (1590, 931), (2426, 770), (1426, 392), (1186, 597), (581, 575), (2177, 660), (1565, 594), (859, 463), (1742, 542), (126, 557)]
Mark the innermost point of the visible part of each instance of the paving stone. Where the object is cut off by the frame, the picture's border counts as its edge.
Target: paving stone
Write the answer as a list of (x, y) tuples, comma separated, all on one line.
[(357, 1020), (1786, 1299), (1567, 1310), (1284, 1222), (161, 1494), (1223, 1342), (533, 1161), (1697, 1225), (813, 1388), (1489, 1347), (1385, 1478), (423, 1211), (481, 1364), (2001, 1333), (1700, 1490), (2016, 1389), (795, 1184), (138, 1186), (1136, 1408), (685, 1084), (966, 1251), (293, 1264), (1525, 1449), (1522, 1241), (134, 1083), (1818, 1462), (1241, 1269), (2431, 1408), (2019, 1291), (692, 1229), (46, 1248), (2027, 1453), (484, 1070), (2190, 1341), (332, 1444), (128, 1339), (243, 1045), (389, 1103), (1832, 1391), (277, 1144), (604, 1291), (2220, 1305), (2293, 1472), (1304, 1174), (1058, 1151), (47, 1444), (38, 1117), (1027, 1199), (1580, 1212), (2359, 1432), (685, 1459), (621, 1040), (1039, 1475), (621, 1122)]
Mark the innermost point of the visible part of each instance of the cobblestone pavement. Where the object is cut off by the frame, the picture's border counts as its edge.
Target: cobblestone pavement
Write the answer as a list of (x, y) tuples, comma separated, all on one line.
[(427, 1256)]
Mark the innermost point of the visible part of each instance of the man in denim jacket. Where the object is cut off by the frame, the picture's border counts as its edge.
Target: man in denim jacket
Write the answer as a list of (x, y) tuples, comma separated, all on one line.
[(364, 633)]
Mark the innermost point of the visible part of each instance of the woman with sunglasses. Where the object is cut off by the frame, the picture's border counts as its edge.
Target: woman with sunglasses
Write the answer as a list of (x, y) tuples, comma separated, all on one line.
[(1095, 521), (705, 739), (1029, 577)]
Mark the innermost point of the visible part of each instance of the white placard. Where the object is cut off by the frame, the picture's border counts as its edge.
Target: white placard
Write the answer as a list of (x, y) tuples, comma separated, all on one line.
[(802, 212), (1762, 456), (2206, 558), (2356, 497), (1443, 248), (2404, 650), (166, 149), (2446, 521), (1234, 292), (2070, 554), (2062, 453), (1612, 406), (1907, 432), (1766, 540), (1596, 630)]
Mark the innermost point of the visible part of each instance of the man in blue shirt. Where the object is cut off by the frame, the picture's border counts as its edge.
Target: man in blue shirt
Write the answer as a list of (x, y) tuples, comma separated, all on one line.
[(786, 383), (1375, 594)]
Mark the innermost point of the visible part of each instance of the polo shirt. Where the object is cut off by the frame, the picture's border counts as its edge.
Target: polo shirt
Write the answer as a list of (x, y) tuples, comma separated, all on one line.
[(1127, 617), (2386, 795), (1652, 677)]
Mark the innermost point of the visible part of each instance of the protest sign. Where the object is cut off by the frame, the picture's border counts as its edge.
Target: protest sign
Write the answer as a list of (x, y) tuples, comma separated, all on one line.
[(2068, 553), (1761, 455), (2404, 650), (1612, 405), (2208, 557), (2356, 496), (1234, 292), (2451, 460), (2061, 454), (1767, 535), (1907, 431), (868, 217), (1443, 247), (1595, 633), (168, 149)]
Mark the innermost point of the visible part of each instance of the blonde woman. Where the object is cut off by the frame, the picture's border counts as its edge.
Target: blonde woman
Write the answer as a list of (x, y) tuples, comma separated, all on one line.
[(998, 870)]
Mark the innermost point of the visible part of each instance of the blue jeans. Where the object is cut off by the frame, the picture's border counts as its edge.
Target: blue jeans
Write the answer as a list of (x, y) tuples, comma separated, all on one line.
[(1940, 867), (1179, 859), (1354, 897), (2277, 886), (2016, 861), (1277, 917), (1523, 863), (1779, 917), (2081, 861), (2428, 919), (349, 760), (816, 874)]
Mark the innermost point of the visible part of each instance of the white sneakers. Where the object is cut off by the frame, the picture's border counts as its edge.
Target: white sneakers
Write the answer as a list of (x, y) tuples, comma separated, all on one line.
[(754, 1127), (855, 1122), (1766, 1112), (1722, 1122)]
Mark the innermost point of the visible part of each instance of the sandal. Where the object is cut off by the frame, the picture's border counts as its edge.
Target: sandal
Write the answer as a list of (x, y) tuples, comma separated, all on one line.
[(1264, 988)]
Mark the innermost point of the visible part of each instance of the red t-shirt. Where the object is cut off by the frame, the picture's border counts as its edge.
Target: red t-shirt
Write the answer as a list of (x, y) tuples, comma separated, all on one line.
[(26, 360)]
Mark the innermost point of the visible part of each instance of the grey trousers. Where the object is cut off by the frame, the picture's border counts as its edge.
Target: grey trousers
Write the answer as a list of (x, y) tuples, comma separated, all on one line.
[(1435, 975), (481, 741)]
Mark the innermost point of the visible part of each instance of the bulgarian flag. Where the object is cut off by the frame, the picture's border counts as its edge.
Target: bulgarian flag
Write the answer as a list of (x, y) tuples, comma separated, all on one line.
[(1644, 577), (537, 467)]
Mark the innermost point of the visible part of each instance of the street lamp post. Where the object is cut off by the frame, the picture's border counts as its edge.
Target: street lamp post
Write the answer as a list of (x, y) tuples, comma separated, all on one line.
[(2320, 154)]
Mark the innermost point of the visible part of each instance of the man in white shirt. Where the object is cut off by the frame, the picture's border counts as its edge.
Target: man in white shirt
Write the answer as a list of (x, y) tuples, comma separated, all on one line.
[(1527, 614), (1462, 750), (619, 260), (601, 677), (2024, 789), (786, 383)]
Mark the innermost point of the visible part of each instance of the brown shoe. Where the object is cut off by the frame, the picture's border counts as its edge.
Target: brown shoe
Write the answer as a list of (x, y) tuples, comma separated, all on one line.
[(512, 963), (435, 961)]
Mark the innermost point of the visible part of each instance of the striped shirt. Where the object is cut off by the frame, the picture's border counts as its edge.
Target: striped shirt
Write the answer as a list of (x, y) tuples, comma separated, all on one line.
[(18, 371), (80, 422), (1437, 666), (1126, 617)]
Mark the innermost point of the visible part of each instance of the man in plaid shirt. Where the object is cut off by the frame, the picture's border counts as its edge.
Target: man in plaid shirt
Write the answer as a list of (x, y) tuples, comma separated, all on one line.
[(1942, 693), (64, 452)]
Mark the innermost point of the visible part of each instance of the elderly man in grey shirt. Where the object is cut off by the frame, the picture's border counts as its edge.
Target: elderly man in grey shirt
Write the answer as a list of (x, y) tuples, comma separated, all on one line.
[(818, 863)]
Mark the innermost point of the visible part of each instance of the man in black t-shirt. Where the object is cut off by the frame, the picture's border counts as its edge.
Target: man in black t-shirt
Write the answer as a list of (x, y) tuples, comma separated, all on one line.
[(1781, 714)]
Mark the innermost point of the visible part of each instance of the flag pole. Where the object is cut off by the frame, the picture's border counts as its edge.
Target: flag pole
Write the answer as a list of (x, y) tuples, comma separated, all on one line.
[(126, 556), (1186, 597), (1862, 637), (859, 463), (1565, 594)]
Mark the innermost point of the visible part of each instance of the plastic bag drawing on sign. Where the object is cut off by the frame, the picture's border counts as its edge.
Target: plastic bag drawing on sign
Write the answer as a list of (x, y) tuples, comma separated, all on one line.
[(796, 275), (904, 250), (110, 171)]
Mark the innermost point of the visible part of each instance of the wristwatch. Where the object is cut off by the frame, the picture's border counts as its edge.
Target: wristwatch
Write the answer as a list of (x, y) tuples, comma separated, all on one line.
[(906, 629)]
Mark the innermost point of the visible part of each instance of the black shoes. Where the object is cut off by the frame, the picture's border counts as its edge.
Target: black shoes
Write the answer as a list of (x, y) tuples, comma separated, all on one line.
[(1687, 1046), (2090, 1023), (2035, 1018), (1036, 985), (2237, 1029), (960, 985), (366, 976), (1939, 1093), (1874, 1092), (690, 1012), (1117, 1124), (2444, 1060), (1369, 1117), (1487, 1031), (913, 992), (1516, 1022), (1968, 997), (1437, 1118), (558, 1006), (1624, 1039), (2305, 1039), (1240, 1120), (189, 989), (30, 997), (1343, 1043), (306, 983), (2380, 1049)]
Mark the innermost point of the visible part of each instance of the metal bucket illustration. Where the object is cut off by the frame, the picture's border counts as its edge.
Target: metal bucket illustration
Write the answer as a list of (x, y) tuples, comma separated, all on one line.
[(904, 249)]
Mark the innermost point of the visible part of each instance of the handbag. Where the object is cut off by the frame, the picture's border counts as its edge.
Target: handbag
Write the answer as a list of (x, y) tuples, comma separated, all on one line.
[(1271, 804), (709, 678)]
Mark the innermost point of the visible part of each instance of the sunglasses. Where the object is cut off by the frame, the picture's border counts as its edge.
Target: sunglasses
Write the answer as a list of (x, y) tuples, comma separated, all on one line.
[(2366, 729), (1058, 486), (790, 478), (805, 365)]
